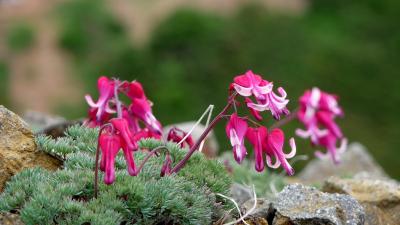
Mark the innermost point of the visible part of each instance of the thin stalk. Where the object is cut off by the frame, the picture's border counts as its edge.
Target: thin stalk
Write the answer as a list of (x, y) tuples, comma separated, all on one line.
[(282, 122), (182, 163), (117, 102), (152, 152), (96, 171), (96, 166)]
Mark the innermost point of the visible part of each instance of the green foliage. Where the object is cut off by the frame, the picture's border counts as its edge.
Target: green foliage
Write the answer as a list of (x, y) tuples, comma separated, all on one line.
[(3, 85), (66, 196), (20, 37)]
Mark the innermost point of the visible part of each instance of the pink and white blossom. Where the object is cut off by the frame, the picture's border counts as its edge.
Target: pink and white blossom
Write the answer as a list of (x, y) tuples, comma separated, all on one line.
[(317, 112), (106, 92), (109, 146), (252, 84), (236, 130), (257, 136), (274, 149), (141, 108)]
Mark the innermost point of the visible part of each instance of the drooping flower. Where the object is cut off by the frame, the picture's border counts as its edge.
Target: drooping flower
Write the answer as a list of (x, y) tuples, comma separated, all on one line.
[(141, 108), (329, 141), (256, 114), (106, 92), (252, 84), (256, 137), (92, 120), (122, 129), (273, 102), (133, 90), (133, 121), (109, 146), (236, 130), (176, 135), (274, 149), (316, 102), (317, 112)]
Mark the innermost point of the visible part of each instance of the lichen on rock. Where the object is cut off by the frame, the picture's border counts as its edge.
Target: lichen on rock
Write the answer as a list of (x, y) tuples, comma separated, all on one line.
[(380, 198)]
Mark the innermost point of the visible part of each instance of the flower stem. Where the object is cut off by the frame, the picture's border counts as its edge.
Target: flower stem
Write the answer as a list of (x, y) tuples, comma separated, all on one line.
[(290, 117), (182, 163), (117, 102), (96, 166), (151, 153)]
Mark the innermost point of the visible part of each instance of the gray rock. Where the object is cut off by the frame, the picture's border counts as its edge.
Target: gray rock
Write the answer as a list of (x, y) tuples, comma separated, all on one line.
[(380, 198), (263, 208), (241, 193), (210, 148), (301, 205), (39, 121), (354, 160)]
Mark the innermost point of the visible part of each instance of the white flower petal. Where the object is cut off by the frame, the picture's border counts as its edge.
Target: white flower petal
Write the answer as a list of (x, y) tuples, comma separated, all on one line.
[(243, 91), (292, 144), (90, 101)]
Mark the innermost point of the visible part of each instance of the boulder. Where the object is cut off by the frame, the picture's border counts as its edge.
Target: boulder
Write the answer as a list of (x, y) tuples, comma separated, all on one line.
[(354, 160), (210, 148), (380, 198), (7, 218), (18, 148), (301, 205), (240, 193)]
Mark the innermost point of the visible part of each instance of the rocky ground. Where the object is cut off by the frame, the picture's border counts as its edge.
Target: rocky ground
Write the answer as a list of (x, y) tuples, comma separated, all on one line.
[(356, 192)]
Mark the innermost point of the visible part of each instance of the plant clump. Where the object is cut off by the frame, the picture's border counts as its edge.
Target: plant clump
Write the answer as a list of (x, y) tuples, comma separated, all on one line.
[(67, 195)]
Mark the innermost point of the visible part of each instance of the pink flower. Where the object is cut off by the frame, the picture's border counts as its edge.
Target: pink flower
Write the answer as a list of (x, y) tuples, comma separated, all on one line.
[(109, 145), (326, 119), (141, 108), (236, 131), (133, 122), (146, 133), (92, 121), (257, 136), (252, 84), (329, 141), (318, 111), (133, 90), (256, 114), (176, 135), (315, 101), (106, 90), (273, 102), (122, 129), (274, 148)]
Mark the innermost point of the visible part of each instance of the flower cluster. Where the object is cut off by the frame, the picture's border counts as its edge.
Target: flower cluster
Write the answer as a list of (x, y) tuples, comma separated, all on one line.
[(122, 126), (268, 143), (317, 112)]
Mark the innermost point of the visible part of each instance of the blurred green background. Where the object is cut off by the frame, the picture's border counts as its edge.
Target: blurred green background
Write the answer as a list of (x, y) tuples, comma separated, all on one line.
[(351, 48)]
